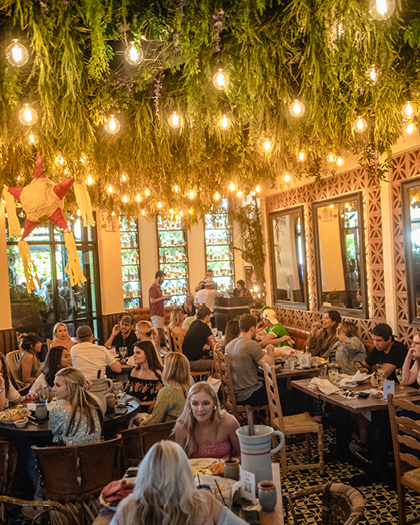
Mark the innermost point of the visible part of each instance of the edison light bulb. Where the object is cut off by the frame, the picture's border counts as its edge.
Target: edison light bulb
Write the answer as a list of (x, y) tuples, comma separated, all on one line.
[(133, 54), (217, 196), (359, 125), (181, 213), (110, 189), (175, 120), (159, 205), (340, 162), (90, 181), (239, 194), (17, 54), (297, 108), (123, 177), (225, 122), (176, 188), (220, 80), (411, 128), (147, 192), (27, 115), (125, 199), (192, 194), (287, 177), (232, 186), (301, 156), (258, 188), (31, 138), (381, 9), (409, 110), (138, 198), (331, 158), (267, 145), (143, 212), (112, 125), (372, 75)]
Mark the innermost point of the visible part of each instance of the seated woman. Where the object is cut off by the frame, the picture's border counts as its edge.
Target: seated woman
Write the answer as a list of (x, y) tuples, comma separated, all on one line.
[(77, 417), (189, 307), (241, 290), (176, 320), (145, 332), (145, 379), (231, 333), (412, 375), (57, 358), (8, 393), (349, 348), (170, 400), (61, 337), (165, 494), (322, 339), (204, 430), (29, 366)]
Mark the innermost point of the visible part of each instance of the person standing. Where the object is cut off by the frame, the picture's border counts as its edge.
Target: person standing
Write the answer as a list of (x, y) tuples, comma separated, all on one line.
[(201, 285), (157, 303), (207, 297), (123, 335)]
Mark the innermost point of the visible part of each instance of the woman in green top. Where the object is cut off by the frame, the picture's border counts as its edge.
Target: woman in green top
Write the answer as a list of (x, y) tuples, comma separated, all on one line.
[(170, 400)]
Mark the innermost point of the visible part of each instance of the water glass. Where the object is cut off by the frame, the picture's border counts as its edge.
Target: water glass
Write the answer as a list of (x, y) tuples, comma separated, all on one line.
[(399, 375), (333, 375), (118, 387), (43, 396), (381, 373), (289, 363), (123, 353), (41, 411), (121, 399)]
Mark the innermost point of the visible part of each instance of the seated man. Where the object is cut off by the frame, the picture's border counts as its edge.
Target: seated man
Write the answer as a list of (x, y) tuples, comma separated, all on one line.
[(245, 356), (197, 341), (253, 310), (90, 358), (123, 335), (386, 350), (275, 333)]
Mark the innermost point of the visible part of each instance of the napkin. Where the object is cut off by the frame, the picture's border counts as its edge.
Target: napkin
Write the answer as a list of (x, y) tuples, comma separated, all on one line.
[(361, 376), (324, 385), (117, 490)]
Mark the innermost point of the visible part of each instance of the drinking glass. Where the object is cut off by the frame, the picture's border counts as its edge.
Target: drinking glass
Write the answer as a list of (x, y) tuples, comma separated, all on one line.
[(123, 353), (118, 387), (41, 411), (43, 396), (399, 375), (333, 374), (381, 373)]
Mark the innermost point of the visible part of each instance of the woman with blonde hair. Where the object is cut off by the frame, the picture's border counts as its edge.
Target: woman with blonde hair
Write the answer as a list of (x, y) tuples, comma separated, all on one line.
[(188, 307), (61, 337), (177, 381), (349, 349), (146, 332), (77, 418), (176, 320), (165, 494), (204, 430)]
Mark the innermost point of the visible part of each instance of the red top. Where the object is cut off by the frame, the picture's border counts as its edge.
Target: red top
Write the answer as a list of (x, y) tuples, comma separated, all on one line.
[(156, 308)]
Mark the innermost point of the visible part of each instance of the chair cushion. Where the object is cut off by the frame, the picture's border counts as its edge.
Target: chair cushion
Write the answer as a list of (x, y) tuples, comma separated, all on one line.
[(412, 476), (298, 424)]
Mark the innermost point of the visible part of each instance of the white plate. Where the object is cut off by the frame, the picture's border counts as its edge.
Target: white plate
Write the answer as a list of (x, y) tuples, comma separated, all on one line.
[(201, 465)]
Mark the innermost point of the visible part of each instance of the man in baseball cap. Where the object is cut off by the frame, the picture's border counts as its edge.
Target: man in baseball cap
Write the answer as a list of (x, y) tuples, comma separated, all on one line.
[(275, 333)]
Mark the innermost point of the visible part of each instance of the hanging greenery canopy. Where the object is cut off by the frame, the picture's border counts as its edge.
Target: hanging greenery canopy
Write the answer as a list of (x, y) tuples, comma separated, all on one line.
[(271, 51)]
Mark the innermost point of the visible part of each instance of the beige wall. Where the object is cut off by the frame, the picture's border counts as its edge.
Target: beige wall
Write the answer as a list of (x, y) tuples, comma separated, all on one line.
[(5, 311)]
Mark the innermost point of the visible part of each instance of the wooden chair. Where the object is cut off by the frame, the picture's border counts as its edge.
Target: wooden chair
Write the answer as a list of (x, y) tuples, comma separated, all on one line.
[(78, 474), (341, 504), (228, 392), (49, 343), (405, 431), (57, 513), (291, 425), (168, 338), (137, 441), (12, 360), (8, 462), (178, 339)]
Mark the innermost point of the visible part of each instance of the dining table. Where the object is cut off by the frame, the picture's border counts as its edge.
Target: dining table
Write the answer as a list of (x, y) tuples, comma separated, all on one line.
[(114, 421), (375, 409), (266, 518)]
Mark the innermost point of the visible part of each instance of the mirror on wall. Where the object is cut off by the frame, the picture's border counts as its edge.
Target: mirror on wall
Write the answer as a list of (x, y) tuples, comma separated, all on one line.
[(411, 225), (288, 258), (340, 257)]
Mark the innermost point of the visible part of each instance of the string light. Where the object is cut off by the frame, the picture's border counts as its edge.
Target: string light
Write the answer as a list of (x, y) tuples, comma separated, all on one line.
[(297, 108), (32, 138), (79, 213), (175, 120), (133, 54), (239, 194), (147, 192), (225, 122), (61, 160), (409, 110), (331, 158), (220, 80), (217, 196), (172, 211), (110, 189), (16, 53), (411, 128), (82, 159), (359, 125), (258, 188), (159, 205), (90, 181), (138, 197), (125, 199), (340, 162), (267, 145), (190, 211), (287, 177), (181, 213), (176, 188), (123, 177), (143, 213), (191, 194), (381, 9), (27, 115), (232, 186), (113, 214), (372, 75), (301, 156), (112, 125)]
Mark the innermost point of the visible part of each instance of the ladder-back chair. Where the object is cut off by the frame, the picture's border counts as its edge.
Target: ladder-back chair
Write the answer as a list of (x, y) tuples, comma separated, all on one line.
[(178, 339)]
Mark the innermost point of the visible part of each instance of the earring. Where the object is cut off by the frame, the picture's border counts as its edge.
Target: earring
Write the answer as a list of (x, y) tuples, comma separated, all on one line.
[(214, 408)]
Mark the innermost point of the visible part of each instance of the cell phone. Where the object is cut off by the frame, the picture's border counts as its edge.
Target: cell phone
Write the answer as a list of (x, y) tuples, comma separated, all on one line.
[(363, 394), (251, 516)]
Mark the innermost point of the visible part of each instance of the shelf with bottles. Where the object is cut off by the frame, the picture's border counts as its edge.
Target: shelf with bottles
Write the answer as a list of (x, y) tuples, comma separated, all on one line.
[(176, 300), (172, 223), (128, 240), (216, 221), (219, 238), (168, 257), (131, 289), (175, 287), (224, 284), (132, 302)]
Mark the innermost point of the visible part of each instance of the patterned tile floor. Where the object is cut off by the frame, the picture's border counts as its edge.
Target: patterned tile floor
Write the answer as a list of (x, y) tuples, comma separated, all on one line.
[(381, 504)]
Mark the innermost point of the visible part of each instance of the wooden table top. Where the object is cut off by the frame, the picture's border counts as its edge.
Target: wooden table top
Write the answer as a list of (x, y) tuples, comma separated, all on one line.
[(267, 518), (357, 404)]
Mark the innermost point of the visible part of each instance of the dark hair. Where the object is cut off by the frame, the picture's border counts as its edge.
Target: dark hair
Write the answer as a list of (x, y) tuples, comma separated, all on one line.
[(232, 332), (52, 364), (202, 312), (383, 330), (334, 316), (241, 282), (246, 322), (5, 372), (159, 273), (28, 341), (151, 356)]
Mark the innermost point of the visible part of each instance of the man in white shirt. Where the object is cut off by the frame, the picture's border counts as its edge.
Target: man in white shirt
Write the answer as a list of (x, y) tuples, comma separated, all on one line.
[(206, 297), (89, 358)]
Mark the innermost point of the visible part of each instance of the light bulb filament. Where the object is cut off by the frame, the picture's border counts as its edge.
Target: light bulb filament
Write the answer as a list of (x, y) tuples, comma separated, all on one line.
[(17, 53)]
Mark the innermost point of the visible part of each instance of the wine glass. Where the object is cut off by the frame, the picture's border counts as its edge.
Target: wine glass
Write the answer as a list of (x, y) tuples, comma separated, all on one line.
[(381, 373), (123, 353), (399, 375)]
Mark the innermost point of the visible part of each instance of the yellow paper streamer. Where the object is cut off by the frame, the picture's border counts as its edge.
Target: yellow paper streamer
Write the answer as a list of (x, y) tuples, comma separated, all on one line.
[(83, 202), (28, 266), (73, 269), (13, 221)]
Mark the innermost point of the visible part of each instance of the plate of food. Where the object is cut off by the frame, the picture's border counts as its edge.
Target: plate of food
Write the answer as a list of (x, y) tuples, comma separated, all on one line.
[(207, 466), (10, 415)]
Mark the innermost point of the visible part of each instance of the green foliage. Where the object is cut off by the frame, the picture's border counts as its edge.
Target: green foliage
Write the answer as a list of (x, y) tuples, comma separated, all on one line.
[(273, 51)]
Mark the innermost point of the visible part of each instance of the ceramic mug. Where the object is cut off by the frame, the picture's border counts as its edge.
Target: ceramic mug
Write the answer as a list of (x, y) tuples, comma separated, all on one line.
[(267, 495)]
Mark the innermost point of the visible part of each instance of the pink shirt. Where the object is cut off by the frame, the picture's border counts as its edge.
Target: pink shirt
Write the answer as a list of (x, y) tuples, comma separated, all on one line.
[(156, 308)]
